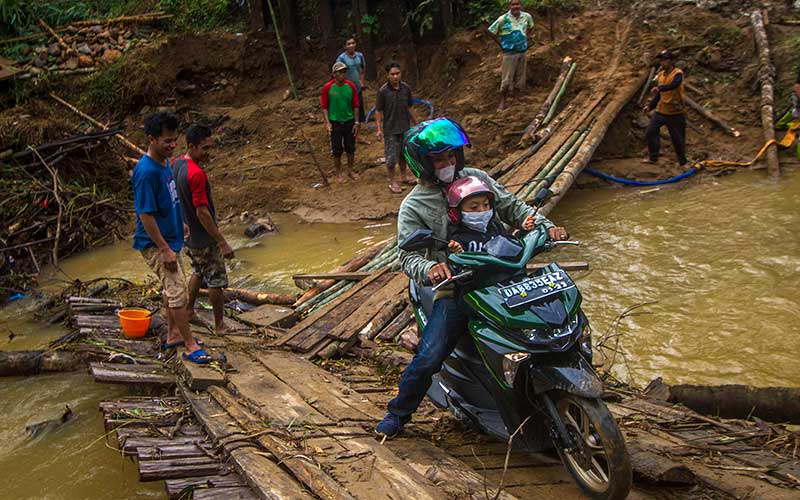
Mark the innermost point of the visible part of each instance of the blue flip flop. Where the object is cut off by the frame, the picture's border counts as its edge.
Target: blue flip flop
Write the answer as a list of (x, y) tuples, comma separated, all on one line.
[(180, 343), (199, 356)]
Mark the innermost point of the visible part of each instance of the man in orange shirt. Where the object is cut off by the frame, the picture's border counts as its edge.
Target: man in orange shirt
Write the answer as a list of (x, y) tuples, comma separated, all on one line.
[(669, 110)]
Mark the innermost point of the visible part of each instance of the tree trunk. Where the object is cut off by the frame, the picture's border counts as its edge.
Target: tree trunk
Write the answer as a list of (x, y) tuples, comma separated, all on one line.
[(34, 362), (446, 17), (766, 77), (257, 19), (551, 18), (327, 29), (361, 9)]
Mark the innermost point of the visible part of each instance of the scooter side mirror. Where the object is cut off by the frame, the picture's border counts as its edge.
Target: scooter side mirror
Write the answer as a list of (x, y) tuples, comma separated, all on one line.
[(418, 240), (541, 197)]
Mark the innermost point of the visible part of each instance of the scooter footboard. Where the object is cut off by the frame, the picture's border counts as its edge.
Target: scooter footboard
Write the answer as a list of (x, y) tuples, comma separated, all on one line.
[(579, 379)]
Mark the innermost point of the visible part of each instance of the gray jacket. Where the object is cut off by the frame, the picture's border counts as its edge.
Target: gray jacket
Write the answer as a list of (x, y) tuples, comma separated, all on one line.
[(425, 207)]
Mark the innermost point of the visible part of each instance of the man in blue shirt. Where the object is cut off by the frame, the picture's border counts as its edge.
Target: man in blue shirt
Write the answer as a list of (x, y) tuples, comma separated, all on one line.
[(356, 73), (160, 230)]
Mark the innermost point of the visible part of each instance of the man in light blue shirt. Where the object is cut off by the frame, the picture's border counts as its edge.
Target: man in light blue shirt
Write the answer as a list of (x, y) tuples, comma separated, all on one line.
[(356, 73), (511, 31)]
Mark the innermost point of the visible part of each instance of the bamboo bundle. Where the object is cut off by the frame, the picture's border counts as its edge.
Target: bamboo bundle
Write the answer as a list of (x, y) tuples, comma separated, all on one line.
[(560, 94), (546, 178), (766, 77), (596, 133), (566, 69)]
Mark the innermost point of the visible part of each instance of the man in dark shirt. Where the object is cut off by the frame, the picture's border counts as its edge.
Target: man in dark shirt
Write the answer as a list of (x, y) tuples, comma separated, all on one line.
[(393, 116), (206, 246), (667, 101)]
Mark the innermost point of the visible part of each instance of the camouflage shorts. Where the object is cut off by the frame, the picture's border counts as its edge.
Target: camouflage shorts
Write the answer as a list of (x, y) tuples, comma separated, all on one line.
[(173, 283), (208, 263)]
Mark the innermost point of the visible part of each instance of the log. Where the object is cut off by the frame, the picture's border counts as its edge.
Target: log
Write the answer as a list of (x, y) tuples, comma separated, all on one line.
[(658, 468), (354, 276), (774, 404), (598, 131), (646, 86), (719, 122), (398, 324), (384, 316), (531, 129), (353, 264), (156, 470), (124, 140), (13, 363), (766, 77), (131, 374), (175, 487), (253, 297)]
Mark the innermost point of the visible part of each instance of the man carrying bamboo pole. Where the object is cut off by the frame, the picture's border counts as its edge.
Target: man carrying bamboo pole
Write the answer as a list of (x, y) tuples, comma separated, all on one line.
[(206, 246), (160, 230), (667, 100), (511, 32)]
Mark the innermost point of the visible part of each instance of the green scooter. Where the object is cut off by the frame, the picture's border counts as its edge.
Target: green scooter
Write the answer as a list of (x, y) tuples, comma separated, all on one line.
[(525, 367)]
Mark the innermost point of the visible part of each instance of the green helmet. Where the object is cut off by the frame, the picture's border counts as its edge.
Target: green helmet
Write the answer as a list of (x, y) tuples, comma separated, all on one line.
[(429, 138)]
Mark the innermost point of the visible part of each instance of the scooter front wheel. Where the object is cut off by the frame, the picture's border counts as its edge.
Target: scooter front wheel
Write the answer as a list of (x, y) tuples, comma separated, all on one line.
[(600, 463)]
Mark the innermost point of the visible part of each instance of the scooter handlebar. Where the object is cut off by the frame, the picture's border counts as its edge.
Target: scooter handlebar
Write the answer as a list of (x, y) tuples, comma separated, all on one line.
[(454, 278)]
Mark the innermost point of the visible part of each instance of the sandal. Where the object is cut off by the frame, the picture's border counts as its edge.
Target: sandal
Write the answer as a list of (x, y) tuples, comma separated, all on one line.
[(199, 356), (180, 343), (395, 189)]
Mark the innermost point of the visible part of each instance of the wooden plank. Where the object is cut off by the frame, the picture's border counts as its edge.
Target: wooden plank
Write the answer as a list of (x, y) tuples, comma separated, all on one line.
[(174, 451), (353, 276), (397, 325), (359, 319), (322, 390), (314, 477), (175, 487), (88, 321), (157, 470), (214, 419), (132, 444), (199, 377), (455, 477), (327, 317), (267, 479), (131, 374), (272, 398), (235, 493), (267, 315), (577, 265)]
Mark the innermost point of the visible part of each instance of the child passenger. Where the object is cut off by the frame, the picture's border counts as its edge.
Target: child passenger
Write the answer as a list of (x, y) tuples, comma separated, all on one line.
[(472, 219)]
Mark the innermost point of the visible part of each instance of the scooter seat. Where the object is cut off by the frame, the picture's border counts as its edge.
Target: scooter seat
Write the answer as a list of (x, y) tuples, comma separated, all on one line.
[(423, 295)]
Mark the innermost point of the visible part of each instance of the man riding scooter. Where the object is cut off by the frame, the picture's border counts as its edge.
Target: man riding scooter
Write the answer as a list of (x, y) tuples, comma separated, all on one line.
[(434, 151)]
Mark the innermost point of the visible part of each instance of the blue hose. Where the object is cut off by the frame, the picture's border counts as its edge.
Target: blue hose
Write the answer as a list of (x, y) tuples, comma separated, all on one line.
[(629, 182), (414, 100)]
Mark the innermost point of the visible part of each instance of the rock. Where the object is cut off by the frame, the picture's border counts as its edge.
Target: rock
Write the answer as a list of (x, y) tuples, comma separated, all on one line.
[(71, 63), (96, 28), (261, 226), (85, 61), (54, 49), (710, 56), (113, 32), (40, 62), (110, 55), (84, 49), (286, 94), (104, 34)]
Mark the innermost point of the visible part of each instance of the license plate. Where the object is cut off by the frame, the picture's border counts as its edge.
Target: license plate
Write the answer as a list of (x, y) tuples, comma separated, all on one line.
[(535, 288)]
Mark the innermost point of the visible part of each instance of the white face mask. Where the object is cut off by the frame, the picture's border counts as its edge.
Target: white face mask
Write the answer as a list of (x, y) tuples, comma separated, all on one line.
[(477, 221), (446, 174)]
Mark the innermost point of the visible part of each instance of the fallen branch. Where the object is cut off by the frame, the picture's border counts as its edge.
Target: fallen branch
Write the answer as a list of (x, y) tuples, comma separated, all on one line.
[(766, 77), (54, 175), (711, 117), (60, 40), (124, 140), (253, 297)]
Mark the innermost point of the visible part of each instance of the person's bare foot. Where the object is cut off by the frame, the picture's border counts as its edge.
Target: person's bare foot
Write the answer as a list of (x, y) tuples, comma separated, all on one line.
[(648, 161), (353, 175), (394, 187), (409, 180), (363, 140), (220, 329), (340, 179)]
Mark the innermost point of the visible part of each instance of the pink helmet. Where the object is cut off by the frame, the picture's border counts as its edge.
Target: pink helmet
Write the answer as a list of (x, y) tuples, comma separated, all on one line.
[(462, 189)]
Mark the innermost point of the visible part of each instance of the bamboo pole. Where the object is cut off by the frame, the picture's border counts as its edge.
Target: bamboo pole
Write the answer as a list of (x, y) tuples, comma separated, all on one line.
[(280, 46), (60, 40), (566, 64), (604, 120), (766, 77), (646, 86), (124, 140), (558, 167), (711, 117), (560, 94)]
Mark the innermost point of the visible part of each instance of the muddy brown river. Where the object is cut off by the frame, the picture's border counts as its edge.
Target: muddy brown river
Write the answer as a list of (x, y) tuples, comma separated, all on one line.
[(716, 260)]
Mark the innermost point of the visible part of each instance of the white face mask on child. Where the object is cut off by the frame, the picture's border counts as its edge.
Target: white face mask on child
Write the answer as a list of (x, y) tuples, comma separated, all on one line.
[(477, 221), (446, 174)]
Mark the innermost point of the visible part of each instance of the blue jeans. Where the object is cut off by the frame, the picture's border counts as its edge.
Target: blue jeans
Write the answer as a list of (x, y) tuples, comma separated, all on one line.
[(448, 321)]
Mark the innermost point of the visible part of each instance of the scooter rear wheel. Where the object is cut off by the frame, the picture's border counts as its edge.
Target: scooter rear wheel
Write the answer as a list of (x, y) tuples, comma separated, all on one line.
[(600, 464)]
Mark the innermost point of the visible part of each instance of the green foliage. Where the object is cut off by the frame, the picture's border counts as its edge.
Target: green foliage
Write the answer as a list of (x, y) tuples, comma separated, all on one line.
[(726, 37), (422, 16), (19, 16), (104, 89), (370, 24), (123, 85)]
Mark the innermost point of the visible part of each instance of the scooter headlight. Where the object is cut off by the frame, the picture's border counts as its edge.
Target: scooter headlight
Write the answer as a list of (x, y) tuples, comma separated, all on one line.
[(511, 363)]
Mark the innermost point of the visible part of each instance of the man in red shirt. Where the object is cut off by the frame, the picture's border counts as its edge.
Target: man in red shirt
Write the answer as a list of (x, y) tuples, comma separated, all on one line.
[(206, 246), (339, 102)]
